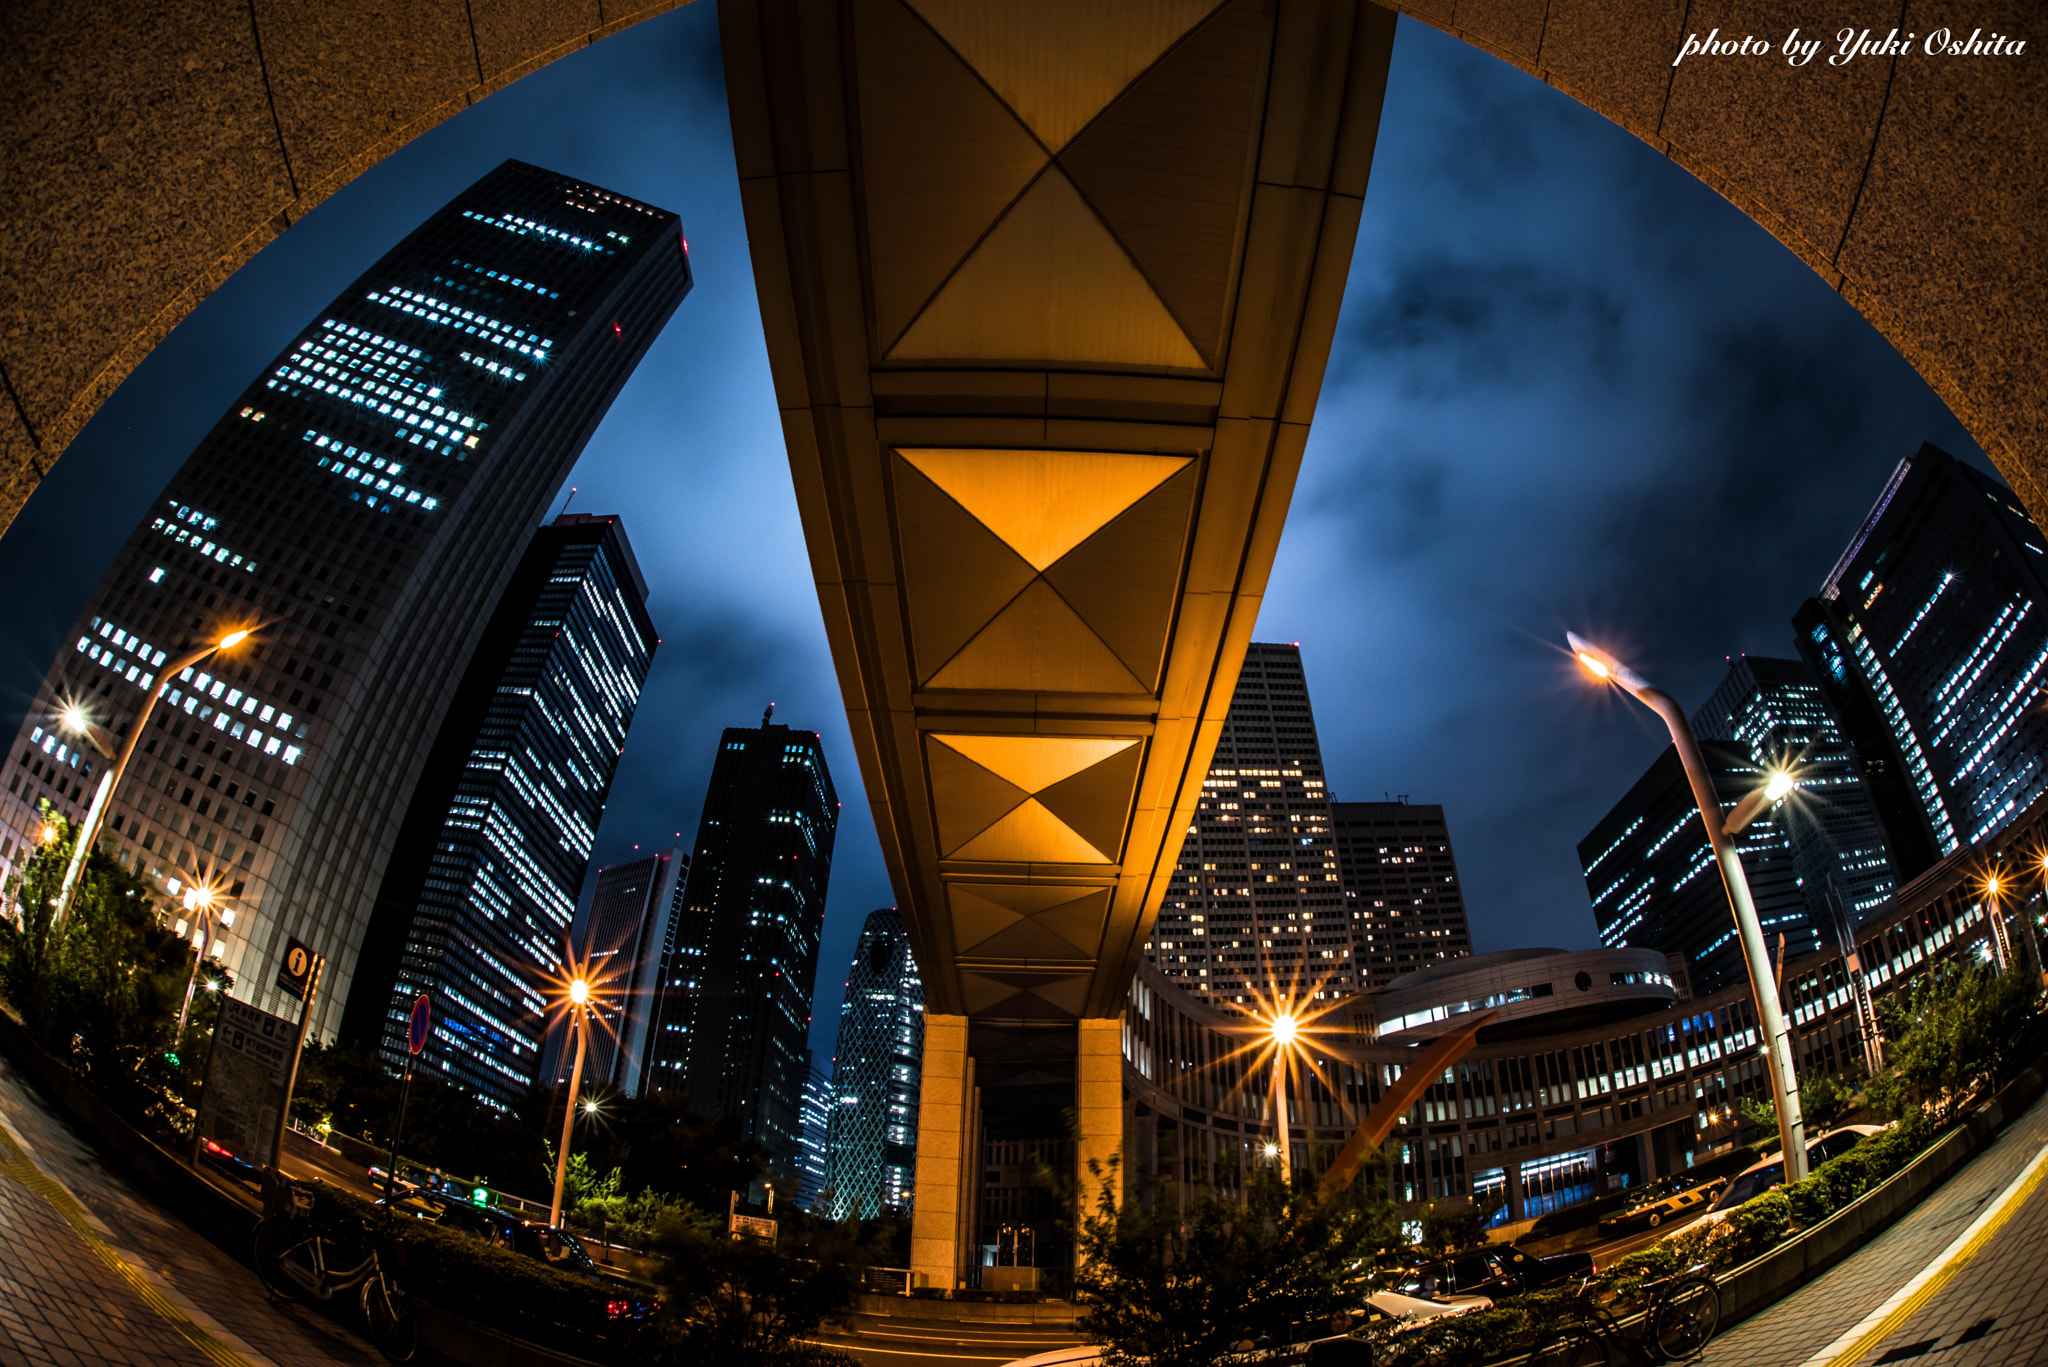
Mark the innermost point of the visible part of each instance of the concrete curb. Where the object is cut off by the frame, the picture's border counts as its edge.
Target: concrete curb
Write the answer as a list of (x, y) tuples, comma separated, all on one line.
[(229, 1221), (1765, 1280)]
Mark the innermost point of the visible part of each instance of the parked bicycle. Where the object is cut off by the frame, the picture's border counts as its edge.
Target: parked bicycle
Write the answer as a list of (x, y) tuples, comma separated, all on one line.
[(334, 1253), (1681, 1314)]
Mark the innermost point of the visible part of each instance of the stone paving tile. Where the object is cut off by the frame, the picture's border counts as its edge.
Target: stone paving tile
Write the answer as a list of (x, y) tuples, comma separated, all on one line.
[(1802, 1324), (202, 1275)]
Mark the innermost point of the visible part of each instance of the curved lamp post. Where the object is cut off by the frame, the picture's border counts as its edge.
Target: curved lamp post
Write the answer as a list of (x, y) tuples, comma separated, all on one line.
[(76, 720), (1284, 1030), (579, 1023), (200, 902), (1720, 832)]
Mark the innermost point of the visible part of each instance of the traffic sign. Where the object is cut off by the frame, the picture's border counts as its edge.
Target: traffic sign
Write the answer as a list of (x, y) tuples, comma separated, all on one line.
[(422, 1021), (295, 974)]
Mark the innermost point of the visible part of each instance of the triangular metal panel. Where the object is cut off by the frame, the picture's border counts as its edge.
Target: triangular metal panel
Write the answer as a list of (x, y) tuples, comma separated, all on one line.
[(1043, 503), (1026, 941), (966, 798), (1049, 284), (1034, 762), (957, 574), (1030, 835), (1039, 644), (1124, 580), (941, 158), (1096, 803), (1058, 62), (976, 918), (1166, 166)]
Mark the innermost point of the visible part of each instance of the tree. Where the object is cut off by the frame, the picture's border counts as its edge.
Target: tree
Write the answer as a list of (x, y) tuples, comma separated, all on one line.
[(1822, 1101), (28, 937), (1956, 1029), (1452, 1225), (1175, 1282), (749, 1300)]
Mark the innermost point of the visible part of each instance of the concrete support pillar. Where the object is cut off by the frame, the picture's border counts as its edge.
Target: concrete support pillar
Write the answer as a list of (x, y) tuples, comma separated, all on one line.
[(1098, 1105), (947, 1141), (1514, 1176)]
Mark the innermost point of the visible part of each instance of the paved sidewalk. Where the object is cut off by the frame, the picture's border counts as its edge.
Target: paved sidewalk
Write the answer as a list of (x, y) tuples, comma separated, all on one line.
[(2008, 1281), (120, 1281)]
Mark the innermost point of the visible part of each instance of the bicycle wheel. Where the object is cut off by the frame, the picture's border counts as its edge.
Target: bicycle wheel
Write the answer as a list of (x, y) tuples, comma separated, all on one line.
[(1573, 1347), (393, 1326), (276, 1241), (1686, 1317)]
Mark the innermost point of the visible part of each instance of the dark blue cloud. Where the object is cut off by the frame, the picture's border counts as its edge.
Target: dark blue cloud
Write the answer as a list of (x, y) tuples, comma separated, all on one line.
[(1572, 388)]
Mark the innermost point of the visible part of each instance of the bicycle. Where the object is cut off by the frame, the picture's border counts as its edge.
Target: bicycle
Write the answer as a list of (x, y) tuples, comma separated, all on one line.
[(1683, 1312), (297, 1256)]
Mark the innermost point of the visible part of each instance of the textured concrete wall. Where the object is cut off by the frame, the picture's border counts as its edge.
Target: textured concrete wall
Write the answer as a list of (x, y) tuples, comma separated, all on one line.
[(153, 147)]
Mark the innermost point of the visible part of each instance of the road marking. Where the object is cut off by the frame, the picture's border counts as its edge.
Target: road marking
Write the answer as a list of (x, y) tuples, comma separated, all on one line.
[(1881, 1323), (904, 1352), (17, 1164)]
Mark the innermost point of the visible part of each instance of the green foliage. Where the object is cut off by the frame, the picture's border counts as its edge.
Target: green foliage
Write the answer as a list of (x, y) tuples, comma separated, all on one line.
[(1174, 1280), (102, 990), (1957, 1028), (748, 1301), (1450, 1226)]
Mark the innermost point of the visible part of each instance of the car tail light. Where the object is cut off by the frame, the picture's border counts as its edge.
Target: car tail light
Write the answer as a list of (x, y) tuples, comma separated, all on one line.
[(212, 1147)]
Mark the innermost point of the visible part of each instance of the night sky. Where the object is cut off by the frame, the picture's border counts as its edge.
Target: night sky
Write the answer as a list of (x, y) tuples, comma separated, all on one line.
[(1572, 388)]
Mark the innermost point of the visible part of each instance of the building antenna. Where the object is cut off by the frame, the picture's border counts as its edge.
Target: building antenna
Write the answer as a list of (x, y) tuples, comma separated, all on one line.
[(565, 503), (766, 715)]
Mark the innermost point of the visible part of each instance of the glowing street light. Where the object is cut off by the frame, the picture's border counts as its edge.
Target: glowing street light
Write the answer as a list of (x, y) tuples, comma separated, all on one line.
[(1721, 827), (578, 997), (200, 901), (1284, 1030), (76, 719)]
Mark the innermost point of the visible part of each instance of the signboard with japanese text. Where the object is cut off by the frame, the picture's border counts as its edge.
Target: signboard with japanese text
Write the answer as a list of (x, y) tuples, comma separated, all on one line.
[(245, 1075)]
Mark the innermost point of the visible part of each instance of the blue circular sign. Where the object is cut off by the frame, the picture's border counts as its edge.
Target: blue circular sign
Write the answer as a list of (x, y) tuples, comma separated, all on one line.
[(422, 1019)]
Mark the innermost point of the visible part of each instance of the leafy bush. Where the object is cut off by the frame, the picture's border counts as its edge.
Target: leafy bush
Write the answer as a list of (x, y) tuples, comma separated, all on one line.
[(744, 1301), (1958, 1028), (1175, 1282)]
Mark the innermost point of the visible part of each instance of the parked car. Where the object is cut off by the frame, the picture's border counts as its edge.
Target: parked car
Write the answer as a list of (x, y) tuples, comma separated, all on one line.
[(1500, 1271), (225, 1163), (1768, 1173), (1655, 1213)]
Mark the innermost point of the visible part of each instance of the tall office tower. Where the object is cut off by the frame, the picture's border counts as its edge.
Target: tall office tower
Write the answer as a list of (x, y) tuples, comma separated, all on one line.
[(1773, 709), (1401, 887), (1255, 909), (1655, 884), (362, 503), (479, 896), (735, 1001), (623, 937), (814, 1121), (877, 1065), (1930, 639)]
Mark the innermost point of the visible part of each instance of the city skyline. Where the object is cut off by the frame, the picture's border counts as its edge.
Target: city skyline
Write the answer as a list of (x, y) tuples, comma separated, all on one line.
[(1425, 331)]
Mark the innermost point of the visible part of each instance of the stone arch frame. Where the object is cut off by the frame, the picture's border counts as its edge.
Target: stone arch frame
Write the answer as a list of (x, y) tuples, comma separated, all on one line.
[(154, 148)]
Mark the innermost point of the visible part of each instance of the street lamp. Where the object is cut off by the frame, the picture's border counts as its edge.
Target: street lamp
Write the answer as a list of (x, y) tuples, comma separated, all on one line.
[(200, 902), (579, 1024), (76, 719), (1283, 1029), (1720, 828)]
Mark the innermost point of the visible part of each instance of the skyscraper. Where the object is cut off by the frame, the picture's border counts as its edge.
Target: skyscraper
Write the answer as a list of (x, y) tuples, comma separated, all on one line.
[(1406, 904), (624, 936), (1655, 884), (1930, 639), (735, 1001), (814, 1120), (877, 1063), (493, 851), (363, 503), (1773, 709), (1256, 909)]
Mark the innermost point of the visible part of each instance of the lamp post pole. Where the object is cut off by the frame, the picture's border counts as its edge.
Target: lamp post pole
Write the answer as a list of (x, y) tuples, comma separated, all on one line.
[(579, 995), (1769, 1014), (200, 903), (89, 830), (1280, 1118)]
